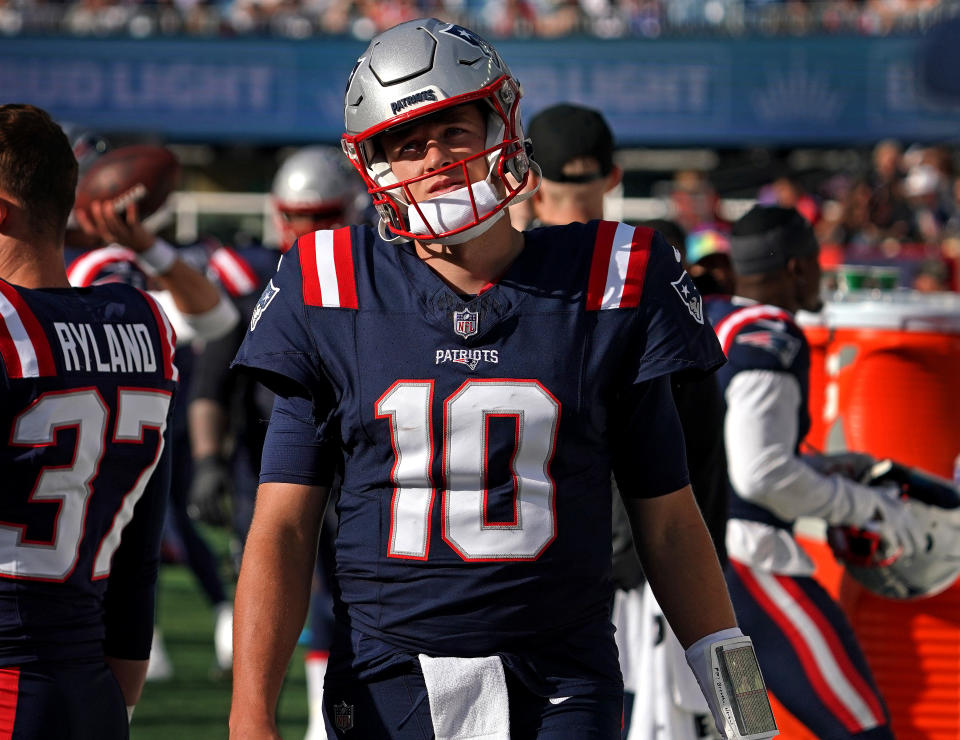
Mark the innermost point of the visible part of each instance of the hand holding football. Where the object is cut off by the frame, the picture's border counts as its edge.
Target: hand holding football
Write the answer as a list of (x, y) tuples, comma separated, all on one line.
[(143, 173)]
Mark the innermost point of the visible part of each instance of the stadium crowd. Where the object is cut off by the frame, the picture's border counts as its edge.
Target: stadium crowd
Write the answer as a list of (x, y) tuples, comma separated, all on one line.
[(497, 18), (902, 210)]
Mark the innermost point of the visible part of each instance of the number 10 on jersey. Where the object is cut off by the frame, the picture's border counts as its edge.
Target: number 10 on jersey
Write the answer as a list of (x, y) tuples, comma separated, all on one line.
[(463, 444)]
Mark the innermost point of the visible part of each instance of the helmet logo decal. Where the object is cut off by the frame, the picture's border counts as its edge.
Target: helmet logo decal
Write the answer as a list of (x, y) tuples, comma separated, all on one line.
[(423, 96), (466, 322), (471, 38)]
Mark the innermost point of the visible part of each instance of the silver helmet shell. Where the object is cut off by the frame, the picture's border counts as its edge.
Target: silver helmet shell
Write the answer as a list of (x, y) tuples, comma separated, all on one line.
[(88, 146), (878, 565), (418, 68), (315, 188)]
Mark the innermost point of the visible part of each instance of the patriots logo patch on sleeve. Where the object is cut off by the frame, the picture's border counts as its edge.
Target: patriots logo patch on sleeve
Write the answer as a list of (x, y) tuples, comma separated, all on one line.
[(783, 346), (269, 293), (689, 295)]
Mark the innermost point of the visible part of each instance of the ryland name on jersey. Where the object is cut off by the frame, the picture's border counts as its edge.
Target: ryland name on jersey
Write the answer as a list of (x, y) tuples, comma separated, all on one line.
[(112, 348)]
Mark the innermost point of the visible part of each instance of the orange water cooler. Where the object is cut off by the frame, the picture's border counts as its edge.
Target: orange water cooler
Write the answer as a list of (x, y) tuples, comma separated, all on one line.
[(887, 381), (818, 335)]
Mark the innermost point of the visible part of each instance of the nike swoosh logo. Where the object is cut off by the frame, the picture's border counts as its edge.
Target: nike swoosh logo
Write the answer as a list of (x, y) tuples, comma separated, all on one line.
[(558, 699)]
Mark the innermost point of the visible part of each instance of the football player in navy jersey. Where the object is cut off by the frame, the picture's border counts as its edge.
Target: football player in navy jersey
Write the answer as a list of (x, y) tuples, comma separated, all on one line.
[(574, 148), (473, 386), (86, 382), (199, 312), (815, 666), (314, 188)]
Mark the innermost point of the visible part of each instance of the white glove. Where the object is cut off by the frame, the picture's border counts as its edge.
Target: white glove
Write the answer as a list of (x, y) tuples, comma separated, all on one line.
[(894, 522)]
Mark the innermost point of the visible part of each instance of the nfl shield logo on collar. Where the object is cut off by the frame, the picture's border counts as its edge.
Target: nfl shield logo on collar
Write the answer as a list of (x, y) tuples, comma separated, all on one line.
[(465, 322), (343, 716)]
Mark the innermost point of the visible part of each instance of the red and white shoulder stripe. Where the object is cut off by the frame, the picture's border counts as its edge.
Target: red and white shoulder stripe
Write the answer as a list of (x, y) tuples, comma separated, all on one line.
[(234, 273), (168, 338), (83, 271), (23, 343), (326, 261), (728, 326), (618, 267)]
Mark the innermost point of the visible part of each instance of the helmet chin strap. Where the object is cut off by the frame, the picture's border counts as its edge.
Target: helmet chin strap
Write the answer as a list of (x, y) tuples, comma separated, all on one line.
[(453, 210)]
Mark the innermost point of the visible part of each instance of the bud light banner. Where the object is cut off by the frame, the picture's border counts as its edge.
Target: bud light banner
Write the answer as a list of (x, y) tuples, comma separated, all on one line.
[(719, 92)]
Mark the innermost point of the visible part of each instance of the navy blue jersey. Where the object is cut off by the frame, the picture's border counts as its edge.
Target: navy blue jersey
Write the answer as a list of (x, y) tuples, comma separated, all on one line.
[(243, 272), (478, 434), (112, 264), (87, 378), (762, 337)]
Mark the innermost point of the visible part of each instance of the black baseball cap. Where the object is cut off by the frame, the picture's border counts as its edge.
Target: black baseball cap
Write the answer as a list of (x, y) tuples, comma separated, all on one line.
[(564, 132), (765, 238)]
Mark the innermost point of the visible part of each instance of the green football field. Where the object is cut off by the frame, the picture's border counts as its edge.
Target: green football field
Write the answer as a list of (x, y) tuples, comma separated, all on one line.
[(194, 704)]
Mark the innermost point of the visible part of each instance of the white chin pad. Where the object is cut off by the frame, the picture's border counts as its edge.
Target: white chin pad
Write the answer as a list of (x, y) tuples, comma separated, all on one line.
[(452, 210)]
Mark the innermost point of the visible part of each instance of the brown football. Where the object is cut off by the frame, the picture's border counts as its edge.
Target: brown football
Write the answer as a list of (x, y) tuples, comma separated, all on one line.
[(143, 173)]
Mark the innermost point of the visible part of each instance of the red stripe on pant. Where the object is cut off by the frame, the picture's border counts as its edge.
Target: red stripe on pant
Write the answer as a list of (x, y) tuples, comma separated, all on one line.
[(9, 691), (818, 682)]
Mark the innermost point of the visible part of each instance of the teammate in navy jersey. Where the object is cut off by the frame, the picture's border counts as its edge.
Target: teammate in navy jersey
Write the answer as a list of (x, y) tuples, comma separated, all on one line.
[(314, 188), (574, 147), (815, 666), (86, 382), (474, 386), (200, 312)]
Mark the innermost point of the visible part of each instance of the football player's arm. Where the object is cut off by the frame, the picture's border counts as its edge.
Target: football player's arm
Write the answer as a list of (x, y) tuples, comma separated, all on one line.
[(210, 392), (672, 540), (273, 589), (761, 435), (681, 564), (131, 589), (205, 310)]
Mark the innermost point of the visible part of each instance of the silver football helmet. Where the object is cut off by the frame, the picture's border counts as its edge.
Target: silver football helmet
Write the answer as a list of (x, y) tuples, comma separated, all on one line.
[(88, 146), (415, 69), (315, 188), (879, 565)]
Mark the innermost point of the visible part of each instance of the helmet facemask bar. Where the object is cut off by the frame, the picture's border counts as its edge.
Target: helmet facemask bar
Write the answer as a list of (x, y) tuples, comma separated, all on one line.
[(505, 154)]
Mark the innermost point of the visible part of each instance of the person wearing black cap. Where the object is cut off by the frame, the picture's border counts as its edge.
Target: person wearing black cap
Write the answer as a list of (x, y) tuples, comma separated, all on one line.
[(574, 147), (807, 649)]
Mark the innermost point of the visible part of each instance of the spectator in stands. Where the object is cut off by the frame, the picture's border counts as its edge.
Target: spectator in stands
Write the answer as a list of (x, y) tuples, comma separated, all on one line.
[(787, 191), (695, 202), (924, 187), (889, 211), (931, 276), (852, 229), (952, 227), (708, 257)]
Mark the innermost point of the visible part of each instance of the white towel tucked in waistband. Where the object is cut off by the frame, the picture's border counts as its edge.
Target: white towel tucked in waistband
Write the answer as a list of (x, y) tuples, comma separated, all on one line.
[(468, 698)]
